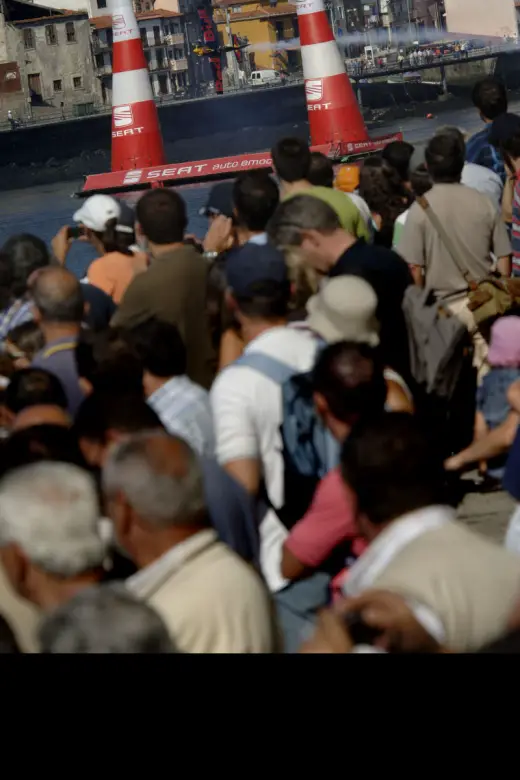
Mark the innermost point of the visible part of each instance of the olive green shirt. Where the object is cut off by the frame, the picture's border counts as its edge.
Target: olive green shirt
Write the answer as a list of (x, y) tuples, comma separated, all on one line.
[(174, 289), (348, 213)]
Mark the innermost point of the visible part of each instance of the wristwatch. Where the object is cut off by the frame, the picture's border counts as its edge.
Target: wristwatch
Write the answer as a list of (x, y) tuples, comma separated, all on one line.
[(210, 255)]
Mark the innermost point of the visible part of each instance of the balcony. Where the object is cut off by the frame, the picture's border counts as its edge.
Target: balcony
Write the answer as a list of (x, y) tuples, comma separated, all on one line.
[(163, 40), (99, 46), (104, 70), (179, 65), (174, 40), (154, 67)]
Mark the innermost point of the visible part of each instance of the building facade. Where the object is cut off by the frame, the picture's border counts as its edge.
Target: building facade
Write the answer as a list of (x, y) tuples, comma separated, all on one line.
[(269, 28), (54, 62), (162, 34)]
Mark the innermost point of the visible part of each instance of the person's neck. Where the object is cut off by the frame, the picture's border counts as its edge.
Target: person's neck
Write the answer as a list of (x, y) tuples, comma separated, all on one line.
[(49, 592), (338, 244), (54, 331), (444, 183), (157, 250), (153, 383), (158, 543), (243, 235), (252, 329), (371, 532), (290, 187), (339, 430)]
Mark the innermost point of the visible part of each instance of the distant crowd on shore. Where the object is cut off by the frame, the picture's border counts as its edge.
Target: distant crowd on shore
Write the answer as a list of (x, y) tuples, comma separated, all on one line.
[(253, 441)]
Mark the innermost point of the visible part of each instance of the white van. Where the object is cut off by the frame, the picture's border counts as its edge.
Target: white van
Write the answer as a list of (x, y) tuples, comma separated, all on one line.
[(264, 78)]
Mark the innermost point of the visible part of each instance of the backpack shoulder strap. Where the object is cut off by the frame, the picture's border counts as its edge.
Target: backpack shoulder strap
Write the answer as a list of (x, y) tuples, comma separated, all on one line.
[(443, 235), (267, 366)]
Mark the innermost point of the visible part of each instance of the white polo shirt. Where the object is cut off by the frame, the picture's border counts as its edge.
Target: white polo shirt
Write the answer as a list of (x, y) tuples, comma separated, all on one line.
[(247, 414)]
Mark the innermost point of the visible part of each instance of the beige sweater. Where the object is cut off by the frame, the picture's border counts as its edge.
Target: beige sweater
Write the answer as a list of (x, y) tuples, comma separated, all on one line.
[(469, 582)]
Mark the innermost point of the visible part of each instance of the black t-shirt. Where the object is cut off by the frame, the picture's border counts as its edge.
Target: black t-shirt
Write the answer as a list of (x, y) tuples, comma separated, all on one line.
[(389, 275), (101, 307)]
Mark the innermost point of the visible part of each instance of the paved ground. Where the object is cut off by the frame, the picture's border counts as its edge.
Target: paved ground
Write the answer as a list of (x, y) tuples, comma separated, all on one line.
[(487, 513)]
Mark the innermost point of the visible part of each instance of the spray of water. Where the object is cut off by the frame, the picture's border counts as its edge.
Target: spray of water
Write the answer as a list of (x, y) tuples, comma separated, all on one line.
[(379, 37)]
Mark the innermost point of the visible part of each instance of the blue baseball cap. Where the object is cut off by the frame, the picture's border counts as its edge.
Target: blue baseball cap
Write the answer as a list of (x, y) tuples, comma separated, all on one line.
[(255, 268), (220, 201)]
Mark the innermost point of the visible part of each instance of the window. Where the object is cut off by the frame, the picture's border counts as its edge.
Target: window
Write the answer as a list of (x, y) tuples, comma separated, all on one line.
[(77, 82), (101, 3), (100, 60), (144, 37), (50, 34), (71, 32), (28, 38), (57, 85)]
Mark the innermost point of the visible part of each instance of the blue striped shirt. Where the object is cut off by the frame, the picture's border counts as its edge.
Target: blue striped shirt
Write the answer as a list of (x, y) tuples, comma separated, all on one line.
[(480, 151), (16, 314)]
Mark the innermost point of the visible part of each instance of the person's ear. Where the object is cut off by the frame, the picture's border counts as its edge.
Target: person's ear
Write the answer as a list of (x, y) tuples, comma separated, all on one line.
[(16, 566), (148, 385), (230, 300), (321, 405), (85, 385), (37, 317), (378, 221), (312, 237), (93, 451)]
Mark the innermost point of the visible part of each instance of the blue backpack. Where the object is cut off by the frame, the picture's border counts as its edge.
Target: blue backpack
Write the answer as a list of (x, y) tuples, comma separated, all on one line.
[(308, 448)]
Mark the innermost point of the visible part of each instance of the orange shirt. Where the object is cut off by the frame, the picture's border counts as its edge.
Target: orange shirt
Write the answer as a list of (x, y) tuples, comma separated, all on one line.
[(114, 271)]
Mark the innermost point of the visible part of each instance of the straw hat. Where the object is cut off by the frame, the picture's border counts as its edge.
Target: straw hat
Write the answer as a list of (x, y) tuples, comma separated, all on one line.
[(345, 310)]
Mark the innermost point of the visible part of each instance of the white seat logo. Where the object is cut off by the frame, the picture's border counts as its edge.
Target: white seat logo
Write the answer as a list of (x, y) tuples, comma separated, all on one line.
[(132, 177), (118, 22), (314, 90), (123, 116)]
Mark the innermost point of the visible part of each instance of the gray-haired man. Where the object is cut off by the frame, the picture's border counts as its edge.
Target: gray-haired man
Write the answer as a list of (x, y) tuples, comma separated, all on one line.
[(210, 599), (50, 547)]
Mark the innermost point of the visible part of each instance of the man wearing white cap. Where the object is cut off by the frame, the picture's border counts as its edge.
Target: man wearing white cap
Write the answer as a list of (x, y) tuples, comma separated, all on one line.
[(109, 226)]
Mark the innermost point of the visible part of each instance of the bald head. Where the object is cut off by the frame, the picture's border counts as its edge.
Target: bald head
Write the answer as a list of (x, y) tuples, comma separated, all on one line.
[(58, 296), (160, 478), (41, 415)]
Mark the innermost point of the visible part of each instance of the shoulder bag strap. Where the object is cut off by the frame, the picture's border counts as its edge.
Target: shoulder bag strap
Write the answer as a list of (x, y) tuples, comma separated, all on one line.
[(267, 366), (443, 235)]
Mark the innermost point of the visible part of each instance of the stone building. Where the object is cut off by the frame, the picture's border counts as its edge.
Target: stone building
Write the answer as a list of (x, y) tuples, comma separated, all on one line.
[(46, 59), (162, 34)]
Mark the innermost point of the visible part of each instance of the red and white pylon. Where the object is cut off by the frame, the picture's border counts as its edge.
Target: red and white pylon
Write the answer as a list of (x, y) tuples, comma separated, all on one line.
[(136, 133), (334, 114)]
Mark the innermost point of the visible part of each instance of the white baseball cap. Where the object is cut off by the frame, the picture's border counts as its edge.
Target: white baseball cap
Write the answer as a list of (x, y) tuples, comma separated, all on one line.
[(97, 211)]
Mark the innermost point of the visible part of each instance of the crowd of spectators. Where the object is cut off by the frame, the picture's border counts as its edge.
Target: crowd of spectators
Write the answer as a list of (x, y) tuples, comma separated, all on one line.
[(226, 445)]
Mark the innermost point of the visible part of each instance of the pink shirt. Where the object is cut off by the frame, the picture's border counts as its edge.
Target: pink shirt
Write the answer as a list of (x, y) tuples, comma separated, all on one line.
[(329, 522)]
